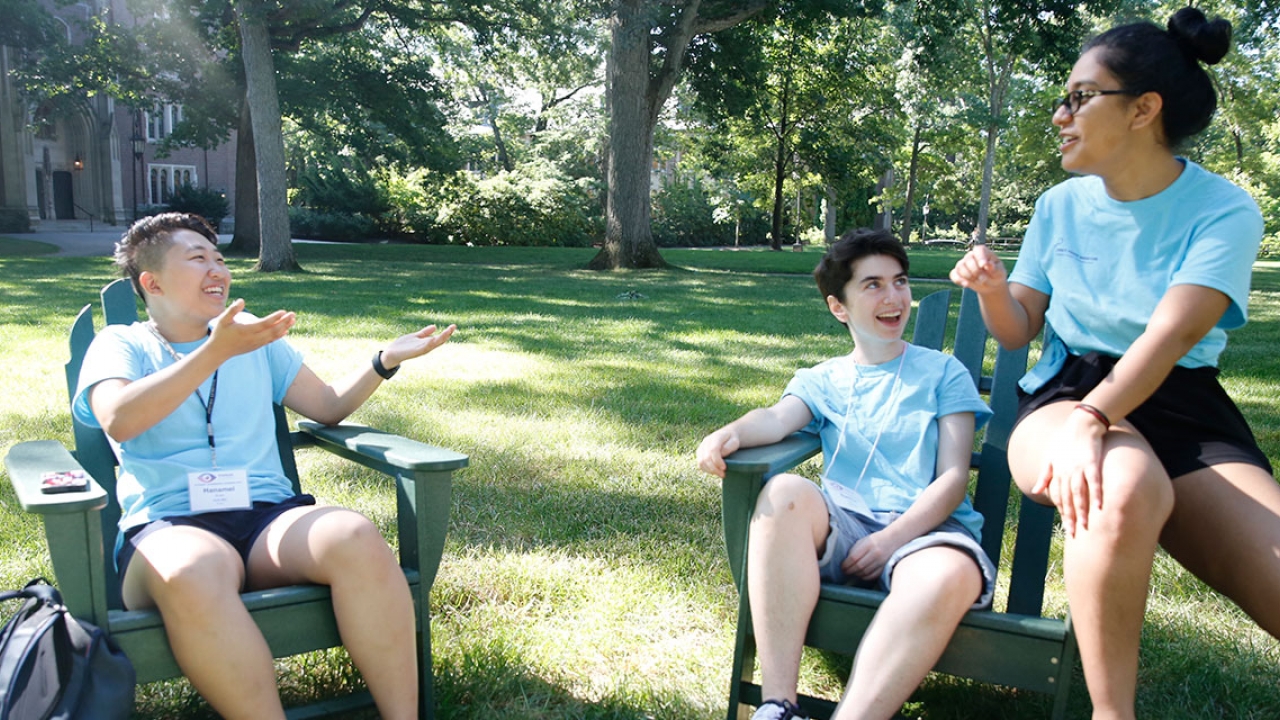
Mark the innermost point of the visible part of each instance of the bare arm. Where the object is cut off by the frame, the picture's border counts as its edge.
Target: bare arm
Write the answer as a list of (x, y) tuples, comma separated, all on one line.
[(126, 408), (1012, 312), (1183, 317), (761, 426), (331, 403)]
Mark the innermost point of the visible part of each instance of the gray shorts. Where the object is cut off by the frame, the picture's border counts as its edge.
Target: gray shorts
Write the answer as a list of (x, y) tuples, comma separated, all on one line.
[(848, 528)]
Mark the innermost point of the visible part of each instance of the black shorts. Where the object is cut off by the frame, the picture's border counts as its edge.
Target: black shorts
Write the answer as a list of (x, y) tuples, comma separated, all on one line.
[(241, 528), (1190, 421)]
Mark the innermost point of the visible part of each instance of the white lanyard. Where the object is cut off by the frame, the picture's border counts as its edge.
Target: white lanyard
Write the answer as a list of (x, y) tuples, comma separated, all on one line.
[(213, 392), (884, 421)]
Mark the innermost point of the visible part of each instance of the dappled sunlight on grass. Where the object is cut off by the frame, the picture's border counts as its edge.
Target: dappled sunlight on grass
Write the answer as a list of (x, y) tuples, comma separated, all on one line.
[(587, 624), (584, 574)]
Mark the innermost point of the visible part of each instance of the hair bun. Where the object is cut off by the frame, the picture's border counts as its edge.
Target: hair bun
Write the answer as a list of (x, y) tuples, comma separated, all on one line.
[(1200, 38)]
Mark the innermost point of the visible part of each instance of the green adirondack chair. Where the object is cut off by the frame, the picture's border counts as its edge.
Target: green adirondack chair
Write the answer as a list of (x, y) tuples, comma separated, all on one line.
[(78, 526), (1016, 646)]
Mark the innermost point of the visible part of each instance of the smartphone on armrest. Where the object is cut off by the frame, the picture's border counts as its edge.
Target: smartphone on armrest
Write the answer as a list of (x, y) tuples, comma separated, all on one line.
[(63, 481)]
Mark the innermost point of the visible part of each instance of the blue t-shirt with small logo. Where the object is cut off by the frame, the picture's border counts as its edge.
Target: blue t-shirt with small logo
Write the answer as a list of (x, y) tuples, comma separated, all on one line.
[(1105, 264)]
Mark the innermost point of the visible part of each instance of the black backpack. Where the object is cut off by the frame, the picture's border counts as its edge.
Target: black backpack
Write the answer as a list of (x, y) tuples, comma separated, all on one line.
[(54, 667)]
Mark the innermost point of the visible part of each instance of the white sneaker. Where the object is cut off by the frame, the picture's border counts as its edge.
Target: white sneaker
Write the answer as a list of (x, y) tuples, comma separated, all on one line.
[(778, 710)]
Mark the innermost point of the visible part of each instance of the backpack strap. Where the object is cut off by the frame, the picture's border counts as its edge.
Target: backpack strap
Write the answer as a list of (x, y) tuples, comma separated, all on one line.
[(39, 589)]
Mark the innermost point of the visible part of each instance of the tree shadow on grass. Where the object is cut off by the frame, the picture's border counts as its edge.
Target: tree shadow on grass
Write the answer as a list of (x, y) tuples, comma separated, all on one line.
[(493, 681)]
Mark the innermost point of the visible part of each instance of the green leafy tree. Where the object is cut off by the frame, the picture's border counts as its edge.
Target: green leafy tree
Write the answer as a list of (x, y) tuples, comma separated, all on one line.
[(811, 95), (649, 41), (1010, 38)]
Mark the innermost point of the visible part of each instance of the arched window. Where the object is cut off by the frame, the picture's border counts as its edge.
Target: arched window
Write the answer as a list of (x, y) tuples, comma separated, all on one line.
[(161, 120), (165, 179)]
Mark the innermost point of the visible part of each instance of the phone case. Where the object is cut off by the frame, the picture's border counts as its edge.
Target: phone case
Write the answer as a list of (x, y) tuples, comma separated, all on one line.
[(65, 481)]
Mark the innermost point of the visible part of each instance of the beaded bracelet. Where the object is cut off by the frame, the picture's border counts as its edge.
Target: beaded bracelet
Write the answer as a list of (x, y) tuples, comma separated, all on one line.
[(1096, 413)]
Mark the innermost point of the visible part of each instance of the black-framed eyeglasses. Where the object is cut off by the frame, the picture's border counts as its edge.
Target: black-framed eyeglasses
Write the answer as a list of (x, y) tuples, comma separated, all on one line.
[(1077, 98)]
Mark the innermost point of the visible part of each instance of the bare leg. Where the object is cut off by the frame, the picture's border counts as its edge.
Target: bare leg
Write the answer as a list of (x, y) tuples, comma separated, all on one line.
[(1225, 528), (193, 577), (931, 591), (1107, 568), (788, 530), (342, 549)]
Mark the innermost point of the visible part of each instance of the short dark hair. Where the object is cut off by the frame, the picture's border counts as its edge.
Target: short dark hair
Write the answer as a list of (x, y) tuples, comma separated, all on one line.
[(835, 269), (1148, 58), (145, 242)]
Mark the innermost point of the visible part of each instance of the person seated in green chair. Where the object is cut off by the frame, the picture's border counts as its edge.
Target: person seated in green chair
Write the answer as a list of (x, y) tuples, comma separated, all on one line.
[(897, 424), (207, 511)]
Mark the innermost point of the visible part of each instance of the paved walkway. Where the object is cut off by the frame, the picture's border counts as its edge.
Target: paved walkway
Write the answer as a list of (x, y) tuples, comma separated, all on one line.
[(99, 243)]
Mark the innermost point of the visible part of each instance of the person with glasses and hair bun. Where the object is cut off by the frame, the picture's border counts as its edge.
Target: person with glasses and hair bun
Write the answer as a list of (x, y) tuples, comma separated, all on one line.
[(1140, 265)]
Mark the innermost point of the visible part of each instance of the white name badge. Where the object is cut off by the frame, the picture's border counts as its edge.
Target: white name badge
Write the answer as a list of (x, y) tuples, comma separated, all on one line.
[(846, 497), (213, 490)]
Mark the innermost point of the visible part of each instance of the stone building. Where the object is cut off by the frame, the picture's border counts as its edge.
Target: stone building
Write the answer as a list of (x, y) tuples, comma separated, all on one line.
[(96, 163)]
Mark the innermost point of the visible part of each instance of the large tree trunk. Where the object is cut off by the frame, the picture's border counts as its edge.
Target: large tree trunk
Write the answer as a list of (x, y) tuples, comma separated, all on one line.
[(884, 212), (268, 140), (628, 240), (779, 179), (247, 238), (829, 217), (988, 173), (998, 76), (491, 116), (912, 171)]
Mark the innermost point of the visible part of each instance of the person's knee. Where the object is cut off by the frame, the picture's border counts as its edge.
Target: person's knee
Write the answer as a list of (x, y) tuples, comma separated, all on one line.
[(1137, 498), (944, 574), (787, 494), (198, 581), (352, 543)]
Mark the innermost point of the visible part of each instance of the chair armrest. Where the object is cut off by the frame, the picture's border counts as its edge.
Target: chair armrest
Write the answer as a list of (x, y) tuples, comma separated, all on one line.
[(769, 460), (383, 451), (745, 473), (26, 462)]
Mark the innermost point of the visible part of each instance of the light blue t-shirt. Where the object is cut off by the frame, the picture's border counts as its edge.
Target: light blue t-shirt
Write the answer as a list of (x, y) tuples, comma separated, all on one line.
[(152, 483), (1105, 264), (871, 397)]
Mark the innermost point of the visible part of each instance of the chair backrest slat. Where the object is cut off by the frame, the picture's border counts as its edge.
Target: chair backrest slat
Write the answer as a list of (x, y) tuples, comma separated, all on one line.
[(119, 303), (931, 320), (971, 336), (93, 452), (994, 482)]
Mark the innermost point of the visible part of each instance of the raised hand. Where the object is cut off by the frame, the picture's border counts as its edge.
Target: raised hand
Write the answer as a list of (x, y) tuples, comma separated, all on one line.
[(415, 344), (980, 270), (236, 332)]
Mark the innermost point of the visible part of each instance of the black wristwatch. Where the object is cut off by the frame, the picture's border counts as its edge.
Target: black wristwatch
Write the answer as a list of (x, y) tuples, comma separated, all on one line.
[(381, 369)]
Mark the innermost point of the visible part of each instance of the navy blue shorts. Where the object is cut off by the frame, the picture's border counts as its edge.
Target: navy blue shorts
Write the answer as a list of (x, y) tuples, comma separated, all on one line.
[(241, 528), (1189, 421)]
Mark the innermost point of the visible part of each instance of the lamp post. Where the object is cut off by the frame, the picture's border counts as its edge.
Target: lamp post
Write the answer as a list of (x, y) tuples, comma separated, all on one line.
[(139, 144)]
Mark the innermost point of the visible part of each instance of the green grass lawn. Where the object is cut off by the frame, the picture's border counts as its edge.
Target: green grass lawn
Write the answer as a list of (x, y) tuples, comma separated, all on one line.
[(21, 247), (585, 574)]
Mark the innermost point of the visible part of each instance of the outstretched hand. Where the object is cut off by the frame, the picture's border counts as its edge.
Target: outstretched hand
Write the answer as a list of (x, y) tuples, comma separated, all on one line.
[(416, 344), (236, 332)]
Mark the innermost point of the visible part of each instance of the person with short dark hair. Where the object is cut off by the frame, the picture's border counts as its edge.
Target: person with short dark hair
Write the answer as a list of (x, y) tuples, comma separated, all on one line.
[(897, 425), (1139, 266), (207, 511)]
